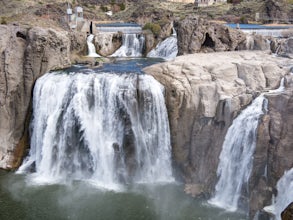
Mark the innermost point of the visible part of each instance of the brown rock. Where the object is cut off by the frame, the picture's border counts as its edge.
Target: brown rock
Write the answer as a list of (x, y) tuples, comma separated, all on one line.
[(25, 54), (196, 34), (204, 92), (274, 148), (287, 214)]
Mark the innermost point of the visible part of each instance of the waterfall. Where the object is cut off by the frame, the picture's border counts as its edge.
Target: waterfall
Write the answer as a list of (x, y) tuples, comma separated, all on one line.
[(265, 32), (91, 46), (166, 49), (284, 196), (235, 159), (132, 46), (106, 128)]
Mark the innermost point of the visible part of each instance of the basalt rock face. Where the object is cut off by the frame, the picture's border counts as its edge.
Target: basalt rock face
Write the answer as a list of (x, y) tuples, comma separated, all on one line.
[(275, 10), (274, 147), (107, 43), (196, 34), (26, 54), (204, 92), (287, 214)]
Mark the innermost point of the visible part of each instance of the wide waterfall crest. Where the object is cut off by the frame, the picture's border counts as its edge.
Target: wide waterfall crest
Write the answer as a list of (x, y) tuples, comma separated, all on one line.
[(235, 159), (105, 128), (166, 49), (91, 46), (132, 46)]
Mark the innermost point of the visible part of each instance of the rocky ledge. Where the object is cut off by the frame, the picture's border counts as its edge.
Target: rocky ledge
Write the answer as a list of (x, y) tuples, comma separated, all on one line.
[(204, 93)]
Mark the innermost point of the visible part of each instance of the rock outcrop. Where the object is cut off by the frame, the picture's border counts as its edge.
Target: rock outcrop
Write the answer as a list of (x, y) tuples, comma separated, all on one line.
[(204, 92), (26, 54), (107, 43), (287, 214), (196, 34), (274, 147)]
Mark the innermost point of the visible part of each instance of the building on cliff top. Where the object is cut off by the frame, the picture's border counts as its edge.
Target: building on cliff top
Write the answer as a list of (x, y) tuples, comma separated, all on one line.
[(200, 3)]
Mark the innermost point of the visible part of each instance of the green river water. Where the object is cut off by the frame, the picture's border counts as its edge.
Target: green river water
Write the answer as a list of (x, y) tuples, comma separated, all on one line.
[(20, 199)]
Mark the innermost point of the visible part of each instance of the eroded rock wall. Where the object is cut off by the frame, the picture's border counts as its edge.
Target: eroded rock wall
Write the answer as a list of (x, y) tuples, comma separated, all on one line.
[(197, 34), (204, 92), (274, 150), (25, 54)]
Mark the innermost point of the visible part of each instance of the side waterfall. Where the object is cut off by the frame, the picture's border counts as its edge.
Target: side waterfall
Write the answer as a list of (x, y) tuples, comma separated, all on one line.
[(132, 46), (91, 46), (285, 193), (166, 49), (235, 159), (105, 128)]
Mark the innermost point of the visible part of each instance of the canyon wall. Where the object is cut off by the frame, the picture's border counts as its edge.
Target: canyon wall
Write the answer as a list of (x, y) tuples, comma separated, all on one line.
[(26, 54), (204, 92)]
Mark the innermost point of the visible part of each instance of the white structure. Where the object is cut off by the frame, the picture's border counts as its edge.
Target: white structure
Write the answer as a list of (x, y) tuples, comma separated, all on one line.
[(202, 3), (73, 19), (79, 13)]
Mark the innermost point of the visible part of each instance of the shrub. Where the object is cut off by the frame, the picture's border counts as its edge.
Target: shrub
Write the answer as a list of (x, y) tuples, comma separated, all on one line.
[(104, 8), (154, 28), (122, 6), (3, 20)]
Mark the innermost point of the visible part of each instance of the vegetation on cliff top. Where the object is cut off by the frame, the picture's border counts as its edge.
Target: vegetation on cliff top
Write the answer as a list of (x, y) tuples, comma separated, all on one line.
[(51, 13)]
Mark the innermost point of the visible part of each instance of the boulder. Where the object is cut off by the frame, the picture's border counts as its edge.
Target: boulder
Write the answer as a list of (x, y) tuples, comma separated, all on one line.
[(107, 43), (25, 54), (196, 34), (204, 92)]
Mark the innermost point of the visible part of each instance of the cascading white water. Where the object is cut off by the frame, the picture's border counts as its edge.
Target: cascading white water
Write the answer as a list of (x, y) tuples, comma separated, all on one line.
[(91, 46), (132, 46), (105, 128), (235, 159), (284, 196), (265, 32), (166, 49), (285, 193)]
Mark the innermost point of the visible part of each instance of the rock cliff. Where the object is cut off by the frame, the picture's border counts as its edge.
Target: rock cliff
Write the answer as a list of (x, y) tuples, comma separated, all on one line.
[(204, 92), (197, 34), (274, 147), (26, 54)]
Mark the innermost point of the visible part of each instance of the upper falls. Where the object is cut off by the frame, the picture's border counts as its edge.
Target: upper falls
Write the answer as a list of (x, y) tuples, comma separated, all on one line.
[(166, 49), (132, 46), (91, 46), (105, 128)]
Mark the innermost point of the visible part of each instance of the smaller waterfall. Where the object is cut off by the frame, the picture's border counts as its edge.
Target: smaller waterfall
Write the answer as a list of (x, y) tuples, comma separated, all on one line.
[(166, 49), (284, 197), (91, 46), (132, 46), (235, 159)]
